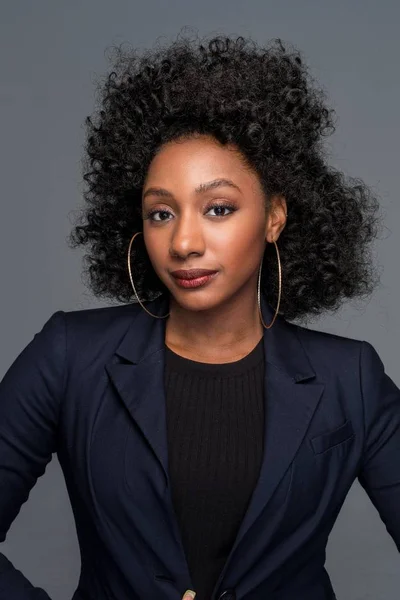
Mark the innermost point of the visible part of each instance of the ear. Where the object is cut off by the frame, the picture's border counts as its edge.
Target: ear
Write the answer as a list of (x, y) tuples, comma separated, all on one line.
[(276, 219)]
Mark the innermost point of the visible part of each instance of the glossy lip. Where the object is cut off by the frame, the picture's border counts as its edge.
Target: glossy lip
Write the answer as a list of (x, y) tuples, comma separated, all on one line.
[(195, 283), (192, 273)]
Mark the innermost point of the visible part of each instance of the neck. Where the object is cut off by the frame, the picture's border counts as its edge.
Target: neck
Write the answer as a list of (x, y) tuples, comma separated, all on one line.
[(226, 331)]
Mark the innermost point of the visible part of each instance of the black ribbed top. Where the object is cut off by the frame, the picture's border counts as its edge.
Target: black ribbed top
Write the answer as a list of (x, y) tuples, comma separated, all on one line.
[(215, 424)]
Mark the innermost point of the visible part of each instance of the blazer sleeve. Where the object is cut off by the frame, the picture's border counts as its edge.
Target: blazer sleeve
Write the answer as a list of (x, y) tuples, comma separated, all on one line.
[(30, 395), (380, 469)]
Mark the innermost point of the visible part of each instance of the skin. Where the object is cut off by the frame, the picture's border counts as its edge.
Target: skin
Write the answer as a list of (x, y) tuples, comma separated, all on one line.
[(218, 322)]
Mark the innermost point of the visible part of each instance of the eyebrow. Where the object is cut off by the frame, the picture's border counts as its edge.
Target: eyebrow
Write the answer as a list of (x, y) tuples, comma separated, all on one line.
[(203, 187)]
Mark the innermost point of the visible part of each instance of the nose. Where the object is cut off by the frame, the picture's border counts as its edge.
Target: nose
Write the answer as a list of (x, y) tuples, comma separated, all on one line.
[(187, 237)]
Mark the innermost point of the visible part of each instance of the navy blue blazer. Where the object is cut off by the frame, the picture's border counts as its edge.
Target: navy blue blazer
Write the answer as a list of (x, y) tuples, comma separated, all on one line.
[(89, 387)]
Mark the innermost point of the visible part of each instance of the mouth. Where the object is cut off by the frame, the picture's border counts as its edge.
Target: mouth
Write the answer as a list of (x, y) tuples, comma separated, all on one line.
[(193, 278), (192, 273)]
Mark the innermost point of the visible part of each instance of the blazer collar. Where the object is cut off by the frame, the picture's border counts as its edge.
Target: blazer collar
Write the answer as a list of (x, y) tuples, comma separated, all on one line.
[(282, 346)]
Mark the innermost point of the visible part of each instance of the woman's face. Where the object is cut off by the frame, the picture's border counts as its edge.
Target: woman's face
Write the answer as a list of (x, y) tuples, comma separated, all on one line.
[(192, 223)]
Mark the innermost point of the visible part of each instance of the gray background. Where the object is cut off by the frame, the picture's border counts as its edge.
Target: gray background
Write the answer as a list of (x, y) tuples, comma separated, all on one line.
[(51, 53)]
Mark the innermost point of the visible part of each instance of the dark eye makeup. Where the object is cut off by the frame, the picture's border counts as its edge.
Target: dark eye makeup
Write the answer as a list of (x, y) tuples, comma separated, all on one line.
[(216, 205)]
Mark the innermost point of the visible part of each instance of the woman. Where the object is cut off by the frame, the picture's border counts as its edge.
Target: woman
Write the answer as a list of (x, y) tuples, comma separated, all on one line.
[(207, 442)]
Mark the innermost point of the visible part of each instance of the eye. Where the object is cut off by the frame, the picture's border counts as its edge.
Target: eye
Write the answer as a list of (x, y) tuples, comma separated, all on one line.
[(162, 215), (152, 213), (220, 208)]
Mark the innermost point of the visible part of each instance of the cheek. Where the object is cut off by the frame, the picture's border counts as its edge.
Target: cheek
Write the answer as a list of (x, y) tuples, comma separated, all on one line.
[(239, 247), (155, 247)]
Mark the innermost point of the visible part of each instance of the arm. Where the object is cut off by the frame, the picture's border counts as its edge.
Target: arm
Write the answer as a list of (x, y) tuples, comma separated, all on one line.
[(30, 395), (380, 469)]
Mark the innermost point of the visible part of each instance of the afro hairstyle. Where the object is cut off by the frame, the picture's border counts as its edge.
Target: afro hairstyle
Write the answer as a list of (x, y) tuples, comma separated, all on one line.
[(263, 100)]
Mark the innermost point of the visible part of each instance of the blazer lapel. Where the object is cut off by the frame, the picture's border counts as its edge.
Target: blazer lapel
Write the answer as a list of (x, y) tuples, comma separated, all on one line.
[(291, 397), (138, 377), (139, 380)]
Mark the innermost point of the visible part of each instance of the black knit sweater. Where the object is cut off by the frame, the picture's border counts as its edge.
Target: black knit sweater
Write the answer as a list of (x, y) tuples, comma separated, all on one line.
[(215, 423)]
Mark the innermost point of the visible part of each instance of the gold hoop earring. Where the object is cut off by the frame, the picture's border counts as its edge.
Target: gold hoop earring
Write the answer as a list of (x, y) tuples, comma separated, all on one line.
[(279, 293), (133, 285)]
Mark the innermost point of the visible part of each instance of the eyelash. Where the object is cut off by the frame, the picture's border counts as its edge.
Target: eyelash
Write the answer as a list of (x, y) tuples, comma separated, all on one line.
[(151, 213)]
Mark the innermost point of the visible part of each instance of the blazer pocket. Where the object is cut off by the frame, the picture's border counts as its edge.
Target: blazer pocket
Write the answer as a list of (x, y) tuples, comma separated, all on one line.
[(325, 441)]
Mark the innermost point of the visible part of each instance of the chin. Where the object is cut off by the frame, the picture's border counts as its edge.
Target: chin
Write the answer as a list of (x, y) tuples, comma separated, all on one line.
[(195, 302)]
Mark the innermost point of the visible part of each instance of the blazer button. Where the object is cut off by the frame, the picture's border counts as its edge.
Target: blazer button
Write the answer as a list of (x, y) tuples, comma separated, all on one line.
[(228, 595)]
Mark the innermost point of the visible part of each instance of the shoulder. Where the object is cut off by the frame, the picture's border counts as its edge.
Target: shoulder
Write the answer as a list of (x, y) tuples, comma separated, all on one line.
[(331, 342), (99, 317), (86, 333), (330, 353), (92, 325), (89, 336), (342, 357)]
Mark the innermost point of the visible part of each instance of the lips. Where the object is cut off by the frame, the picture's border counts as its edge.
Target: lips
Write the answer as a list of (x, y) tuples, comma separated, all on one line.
[(192, 273)]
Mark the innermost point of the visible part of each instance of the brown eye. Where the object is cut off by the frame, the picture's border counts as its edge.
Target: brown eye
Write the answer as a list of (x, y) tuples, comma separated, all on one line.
[(221, 208), (151, 216)]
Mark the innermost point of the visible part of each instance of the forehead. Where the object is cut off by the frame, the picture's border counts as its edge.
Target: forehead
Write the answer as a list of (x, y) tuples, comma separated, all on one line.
[(182, 166), (196, 159)]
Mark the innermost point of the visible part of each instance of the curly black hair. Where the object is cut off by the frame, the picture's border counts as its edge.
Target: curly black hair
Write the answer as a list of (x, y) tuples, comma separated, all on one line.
[(263, 100)]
